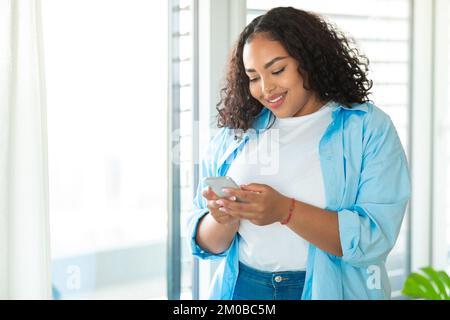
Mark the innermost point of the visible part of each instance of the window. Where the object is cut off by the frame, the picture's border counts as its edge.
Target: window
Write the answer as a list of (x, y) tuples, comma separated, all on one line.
[(107, 129), (447, 153), (381, 29), (184, 108)]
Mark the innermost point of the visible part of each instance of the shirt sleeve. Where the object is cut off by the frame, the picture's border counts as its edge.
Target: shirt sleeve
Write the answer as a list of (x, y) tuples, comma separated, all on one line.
[(368, 231), (208, 167)]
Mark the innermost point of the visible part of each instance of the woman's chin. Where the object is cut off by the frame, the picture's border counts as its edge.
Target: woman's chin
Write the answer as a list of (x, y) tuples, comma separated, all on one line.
[(281, 114)]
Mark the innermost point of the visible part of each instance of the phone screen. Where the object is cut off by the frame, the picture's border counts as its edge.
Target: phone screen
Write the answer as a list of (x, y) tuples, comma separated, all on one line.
[(218, 183)]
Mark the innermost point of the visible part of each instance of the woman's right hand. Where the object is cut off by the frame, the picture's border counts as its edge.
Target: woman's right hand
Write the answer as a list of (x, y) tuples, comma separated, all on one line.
[(219, 216)]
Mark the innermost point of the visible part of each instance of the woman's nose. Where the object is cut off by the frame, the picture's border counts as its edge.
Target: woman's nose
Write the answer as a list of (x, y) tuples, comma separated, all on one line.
[(267, 87)]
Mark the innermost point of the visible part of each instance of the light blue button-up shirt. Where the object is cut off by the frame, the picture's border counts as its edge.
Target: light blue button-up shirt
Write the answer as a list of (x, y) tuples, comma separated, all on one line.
[(367, 183)]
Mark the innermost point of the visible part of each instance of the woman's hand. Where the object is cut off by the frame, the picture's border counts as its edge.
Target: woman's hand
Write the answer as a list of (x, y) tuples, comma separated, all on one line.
[(220, 216), (262, 205)]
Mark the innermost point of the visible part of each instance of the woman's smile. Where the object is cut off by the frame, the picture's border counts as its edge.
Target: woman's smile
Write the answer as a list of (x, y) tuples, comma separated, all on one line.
[(276, 100)]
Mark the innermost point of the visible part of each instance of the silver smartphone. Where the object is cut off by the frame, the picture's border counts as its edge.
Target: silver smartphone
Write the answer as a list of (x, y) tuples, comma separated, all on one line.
[(218, 183)]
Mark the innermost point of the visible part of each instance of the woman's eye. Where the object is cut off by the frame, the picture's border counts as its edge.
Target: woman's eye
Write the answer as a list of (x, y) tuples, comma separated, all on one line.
[(274, 73), (279, 71)]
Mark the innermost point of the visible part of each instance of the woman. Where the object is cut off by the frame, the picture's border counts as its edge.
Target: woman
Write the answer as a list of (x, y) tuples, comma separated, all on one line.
[(320, 222)]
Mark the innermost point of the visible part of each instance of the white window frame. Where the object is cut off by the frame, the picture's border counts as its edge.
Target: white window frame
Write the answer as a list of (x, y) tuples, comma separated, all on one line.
[(440, 103), (429, 80)]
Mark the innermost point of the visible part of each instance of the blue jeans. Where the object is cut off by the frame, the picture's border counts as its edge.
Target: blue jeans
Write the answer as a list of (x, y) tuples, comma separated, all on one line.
[(254, 284)]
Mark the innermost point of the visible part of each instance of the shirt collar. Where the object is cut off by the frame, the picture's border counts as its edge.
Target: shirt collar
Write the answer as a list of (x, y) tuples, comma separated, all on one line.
[(355, 107), (263, 118)]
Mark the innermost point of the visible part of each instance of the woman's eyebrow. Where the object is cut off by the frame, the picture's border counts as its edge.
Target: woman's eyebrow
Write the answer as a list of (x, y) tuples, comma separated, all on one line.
[(268, 64)]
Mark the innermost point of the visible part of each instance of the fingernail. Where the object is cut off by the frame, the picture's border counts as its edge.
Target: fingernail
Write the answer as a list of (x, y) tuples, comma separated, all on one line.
[(223, 209), (226, 190), (219, 202), (233, 198)]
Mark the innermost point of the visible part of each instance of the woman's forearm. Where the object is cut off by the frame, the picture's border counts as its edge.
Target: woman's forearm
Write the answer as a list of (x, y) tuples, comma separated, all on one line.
[(213, 236), (316, 225)]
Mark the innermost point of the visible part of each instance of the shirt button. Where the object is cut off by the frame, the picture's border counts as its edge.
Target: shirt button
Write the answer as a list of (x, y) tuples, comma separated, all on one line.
[(278, 279)]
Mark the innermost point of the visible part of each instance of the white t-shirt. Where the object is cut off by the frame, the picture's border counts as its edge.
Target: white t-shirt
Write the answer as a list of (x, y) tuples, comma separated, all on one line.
[(285, 157)]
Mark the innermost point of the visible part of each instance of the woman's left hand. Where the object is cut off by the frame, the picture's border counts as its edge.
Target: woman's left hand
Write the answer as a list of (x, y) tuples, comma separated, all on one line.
[(262, 205)]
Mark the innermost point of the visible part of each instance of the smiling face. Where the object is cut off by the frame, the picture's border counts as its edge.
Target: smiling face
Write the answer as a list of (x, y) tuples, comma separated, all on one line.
[(274, 79)]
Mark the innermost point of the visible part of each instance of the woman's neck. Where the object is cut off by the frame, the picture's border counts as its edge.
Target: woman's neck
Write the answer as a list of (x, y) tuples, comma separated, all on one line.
[(312, 105)]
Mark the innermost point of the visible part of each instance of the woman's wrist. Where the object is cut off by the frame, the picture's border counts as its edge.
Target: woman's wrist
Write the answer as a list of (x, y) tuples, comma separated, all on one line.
[(287, 210)]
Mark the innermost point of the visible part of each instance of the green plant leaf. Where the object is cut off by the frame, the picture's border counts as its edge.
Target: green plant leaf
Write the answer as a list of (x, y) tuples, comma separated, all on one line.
[(445, 278), (421, 287), (412, 289), (425, 286), (437, 280)]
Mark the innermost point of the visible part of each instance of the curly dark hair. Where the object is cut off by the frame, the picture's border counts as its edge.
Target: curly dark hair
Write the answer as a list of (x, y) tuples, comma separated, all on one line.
[(329, 62)]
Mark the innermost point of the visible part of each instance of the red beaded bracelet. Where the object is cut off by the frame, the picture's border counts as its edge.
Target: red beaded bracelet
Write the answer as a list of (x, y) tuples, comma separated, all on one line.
[(291, 209)]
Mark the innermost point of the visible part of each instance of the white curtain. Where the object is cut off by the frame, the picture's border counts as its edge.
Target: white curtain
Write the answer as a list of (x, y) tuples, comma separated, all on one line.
[(24, 224)]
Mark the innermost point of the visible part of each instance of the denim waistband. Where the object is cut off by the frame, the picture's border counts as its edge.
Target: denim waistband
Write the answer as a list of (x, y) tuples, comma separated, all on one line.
[(279, 278)]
